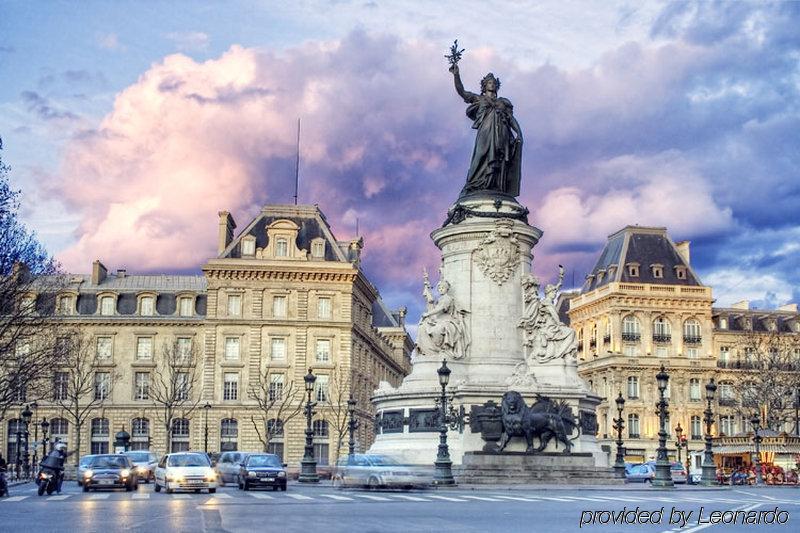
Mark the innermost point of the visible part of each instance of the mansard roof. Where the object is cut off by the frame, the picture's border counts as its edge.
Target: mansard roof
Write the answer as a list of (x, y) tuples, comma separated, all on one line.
[(645, 248), (308, 218)]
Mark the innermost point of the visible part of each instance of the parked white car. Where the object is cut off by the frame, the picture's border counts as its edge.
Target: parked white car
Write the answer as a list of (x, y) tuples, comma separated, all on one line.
[(185, 471)]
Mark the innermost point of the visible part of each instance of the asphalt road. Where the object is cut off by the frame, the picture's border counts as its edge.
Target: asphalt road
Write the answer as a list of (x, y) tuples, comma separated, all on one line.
[(322, 508)]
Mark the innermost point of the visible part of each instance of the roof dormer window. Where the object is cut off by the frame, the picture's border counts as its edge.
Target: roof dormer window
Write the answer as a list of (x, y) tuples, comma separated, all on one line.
[(657, 271), (107, 305), (281, 247), (318, 248), (680, 272), (248, 246), (147, 306), (633, 270), (600, 274)]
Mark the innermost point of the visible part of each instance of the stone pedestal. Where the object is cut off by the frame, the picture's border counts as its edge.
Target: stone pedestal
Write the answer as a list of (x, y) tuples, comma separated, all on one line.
[(522, 468), (486, 248)]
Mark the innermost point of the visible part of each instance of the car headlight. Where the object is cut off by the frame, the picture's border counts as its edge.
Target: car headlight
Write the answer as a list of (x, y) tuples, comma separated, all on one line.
[(141, 469), (175, 478), (88, 474), (211, 475), (251, 474), (281, 474), (125, 472)]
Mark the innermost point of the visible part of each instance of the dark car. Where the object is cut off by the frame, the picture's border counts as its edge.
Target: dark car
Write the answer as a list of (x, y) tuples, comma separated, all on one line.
[(112, 471), (262, 470), (144, 463)]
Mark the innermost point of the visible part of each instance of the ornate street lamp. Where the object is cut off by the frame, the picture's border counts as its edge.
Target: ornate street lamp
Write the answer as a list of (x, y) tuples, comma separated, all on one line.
[(45, 426), (35, 407), (679, 440), (709, 468), (352, 426), (206, 408), (619, 425), (756, 422), (663, 477), (443, 475), (308, 466), (26, 420), (797, 411)]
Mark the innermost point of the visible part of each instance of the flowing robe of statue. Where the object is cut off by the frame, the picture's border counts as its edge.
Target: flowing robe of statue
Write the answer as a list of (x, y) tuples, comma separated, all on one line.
[(442, 329), (497, 155), (545, 336)]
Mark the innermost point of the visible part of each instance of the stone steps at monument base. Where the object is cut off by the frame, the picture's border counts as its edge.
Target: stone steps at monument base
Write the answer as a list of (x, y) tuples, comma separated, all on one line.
[(521, 468)]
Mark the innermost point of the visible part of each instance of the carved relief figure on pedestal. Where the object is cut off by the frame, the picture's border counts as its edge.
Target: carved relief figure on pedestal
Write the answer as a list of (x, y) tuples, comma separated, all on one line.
[(545, 337), (498, 253), (443, 331)]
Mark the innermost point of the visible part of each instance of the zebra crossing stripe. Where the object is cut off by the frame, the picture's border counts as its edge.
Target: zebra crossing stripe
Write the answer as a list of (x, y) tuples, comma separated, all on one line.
[(59, 497), (260, 496), (99, 496), (222, 496), (337, 497), (410, 498), (445, 498), (586, 499), (519, 499), (181, 497), (13, 499), (298, 497), (374, 498), (141, 496), (481, 498)]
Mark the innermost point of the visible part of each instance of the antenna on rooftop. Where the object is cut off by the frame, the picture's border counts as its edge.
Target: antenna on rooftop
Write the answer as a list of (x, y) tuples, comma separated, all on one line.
[(356, 227), (297, 164)]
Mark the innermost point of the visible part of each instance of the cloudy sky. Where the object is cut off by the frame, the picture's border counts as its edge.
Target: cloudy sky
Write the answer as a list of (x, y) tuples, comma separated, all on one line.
[(130, 124)]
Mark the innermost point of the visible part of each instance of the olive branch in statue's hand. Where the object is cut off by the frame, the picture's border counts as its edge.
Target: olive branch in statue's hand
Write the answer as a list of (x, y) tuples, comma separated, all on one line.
[(454, 56)]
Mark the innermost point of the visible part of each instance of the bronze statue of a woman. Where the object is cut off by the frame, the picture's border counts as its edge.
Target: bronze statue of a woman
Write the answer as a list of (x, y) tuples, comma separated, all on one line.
[(497, 156)]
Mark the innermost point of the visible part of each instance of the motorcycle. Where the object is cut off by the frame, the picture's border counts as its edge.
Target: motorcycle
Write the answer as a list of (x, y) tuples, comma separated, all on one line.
[(47, 479), (3, 484)]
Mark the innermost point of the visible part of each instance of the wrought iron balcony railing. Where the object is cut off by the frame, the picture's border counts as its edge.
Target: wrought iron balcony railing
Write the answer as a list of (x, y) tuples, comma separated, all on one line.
[(631, 337)]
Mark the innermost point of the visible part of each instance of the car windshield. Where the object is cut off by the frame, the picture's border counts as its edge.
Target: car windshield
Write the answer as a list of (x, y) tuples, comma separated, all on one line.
[(677, 468), (382, 460), (263, 460), (109, 461), (86, 460), (139, 457), (188, 459)]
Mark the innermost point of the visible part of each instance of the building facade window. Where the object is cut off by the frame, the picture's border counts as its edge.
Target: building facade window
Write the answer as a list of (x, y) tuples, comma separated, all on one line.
[(275, 431), (105, 347), (230, 386), (694, 390), (102, 385), (696, 428), (234, 305), (182, 386), (657, 270), (60, 386), (724, 354), (141, 386), (15, 426), (232, 348), (277, 349), (107, 305), (59, 430), (321, 445), (66, 305), (281, 247), (631, 329), (691, 331), (248, 247), (633, 426), (180, 435), (725, 392), (727, 425), (184, 348), (279, 306), (276, 382), (144, 348), (229, 435), (662, 330), (100, 434), (633, 387), (186, 306), (140, 434), (321, 388), (323, 350), (324, 308), (318, 249), (147, 306)]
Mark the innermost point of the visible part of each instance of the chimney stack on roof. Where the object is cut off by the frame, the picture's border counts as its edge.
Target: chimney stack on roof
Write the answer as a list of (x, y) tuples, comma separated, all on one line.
[(99, 272), (121, 272), (226, 227), (744, 305), (683, 250)]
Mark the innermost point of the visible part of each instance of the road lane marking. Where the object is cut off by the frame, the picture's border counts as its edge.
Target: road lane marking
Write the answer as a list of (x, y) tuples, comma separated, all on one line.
[(337, 497), (298, 497), (445, 498), (181, 497), (99, 496), (374, 498), (519, 499), (555, 499), (59, 497), (410, 498), (481, 498), (141, 496), (13, 499), (222, 496), (586, 499), (260, 496)]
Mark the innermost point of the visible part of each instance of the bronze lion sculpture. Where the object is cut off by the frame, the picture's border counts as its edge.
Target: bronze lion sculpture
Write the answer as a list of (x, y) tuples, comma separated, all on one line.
[(545, 420)]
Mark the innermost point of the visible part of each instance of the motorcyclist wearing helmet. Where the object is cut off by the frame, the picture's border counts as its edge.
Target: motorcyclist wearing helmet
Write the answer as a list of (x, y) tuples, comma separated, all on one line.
[(55, 461)]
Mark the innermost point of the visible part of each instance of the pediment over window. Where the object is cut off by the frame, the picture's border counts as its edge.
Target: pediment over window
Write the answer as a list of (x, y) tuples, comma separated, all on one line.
[(282, 242)]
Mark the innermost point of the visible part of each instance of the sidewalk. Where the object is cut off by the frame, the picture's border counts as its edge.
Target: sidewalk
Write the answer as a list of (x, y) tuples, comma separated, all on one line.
[(629, 487)]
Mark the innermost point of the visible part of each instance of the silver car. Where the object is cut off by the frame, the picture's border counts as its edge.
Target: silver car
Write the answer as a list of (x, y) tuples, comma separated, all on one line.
[(144, 463), (228, 466), (378, 471), (83, 466)]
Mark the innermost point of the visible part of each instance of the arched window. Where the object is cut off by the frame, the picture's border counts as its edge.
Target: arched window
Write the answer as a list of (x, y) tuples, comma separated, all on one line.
[(691, 331), (633, 426), (631, 329), (59, 430), (275, 432), (696, 429), (107, 306), (662, 330), (14, 425), (228, 435), (180, 435), (140, 434), (321, 446), (147, 306), (633, 387), (100, 435)]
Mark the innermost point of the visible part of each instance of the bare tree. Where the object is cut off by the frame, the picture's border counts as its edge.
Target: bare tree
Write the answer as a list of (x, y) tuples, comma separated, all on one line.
[(81, 384), (277, 401), (175, 389), (336, 408), (770, 377)]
